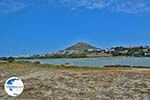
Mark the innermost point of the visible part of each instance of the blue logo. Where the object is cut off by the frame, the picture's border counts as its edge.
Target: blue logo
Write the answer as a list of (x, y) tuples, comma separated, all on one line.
[(14, 86)]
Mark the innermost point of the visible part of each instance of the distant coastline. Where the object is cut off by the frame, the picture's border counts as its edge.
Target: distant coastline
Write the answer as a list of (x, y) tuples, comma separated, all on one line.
[(85, 50)]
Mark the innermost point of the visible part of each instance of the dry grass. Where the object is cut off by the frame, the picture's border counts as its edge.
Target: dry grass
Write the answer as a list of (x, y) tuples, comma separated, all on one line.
[(60, 82)]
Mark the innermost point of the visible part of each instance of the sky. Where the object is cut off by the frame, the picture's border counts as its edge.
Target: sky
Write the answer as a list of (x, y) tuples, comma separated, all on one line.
[(41, 26)]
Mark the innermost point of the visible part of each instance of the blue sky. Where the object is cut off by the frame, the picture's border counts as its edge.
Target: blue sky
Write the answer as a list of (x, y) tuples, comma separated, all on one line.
[(41, 26)]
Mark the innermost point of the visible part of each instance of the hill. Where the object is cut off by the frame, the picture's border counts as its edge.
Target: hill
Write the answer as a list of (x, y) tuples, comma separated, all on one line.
[(81, 46)]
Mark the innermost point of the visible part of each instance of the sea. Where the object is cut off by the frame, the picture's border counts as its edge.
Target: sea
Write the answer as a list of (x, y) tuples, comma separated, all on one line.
[(97, 62)]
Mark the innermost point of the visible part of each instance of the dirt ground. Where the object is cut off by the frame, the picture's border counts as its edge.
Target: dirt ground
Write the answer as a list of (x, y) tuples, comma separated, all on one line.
[(49, 82)]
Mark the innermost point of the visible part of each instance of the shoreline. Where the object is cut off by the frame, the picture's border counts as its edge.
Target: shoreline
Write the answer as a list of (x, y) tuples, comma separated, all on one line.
[(72, 66), (99, 65), (85, 57)]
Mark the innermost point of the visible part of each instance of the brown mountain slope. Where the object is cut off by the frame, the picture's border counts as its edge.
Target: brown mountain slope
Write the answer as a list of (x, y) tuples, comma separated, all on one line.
[(81, 46)]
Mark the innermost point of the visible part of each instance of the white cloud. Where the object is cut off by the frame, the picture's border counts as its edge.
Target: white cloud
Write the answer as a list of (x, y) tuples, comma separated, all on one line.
[(89, 4), (7, 6), (126, 6), (132, 6)]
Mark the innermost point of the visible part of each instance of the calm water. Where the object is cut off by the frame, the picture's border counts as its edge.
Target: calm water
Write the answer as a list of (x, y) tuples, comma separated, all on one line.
[(98, 62)]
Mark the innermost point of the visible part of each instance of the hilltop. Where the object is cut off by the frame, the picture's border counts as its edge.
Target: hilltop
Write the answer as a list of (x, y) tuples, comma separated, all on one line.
[(81, 46)]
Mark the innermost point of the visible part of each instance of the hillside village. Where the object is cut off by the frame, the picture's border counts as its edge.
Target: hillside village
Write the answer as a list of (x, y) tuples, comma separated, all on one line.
[(84, 50)]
